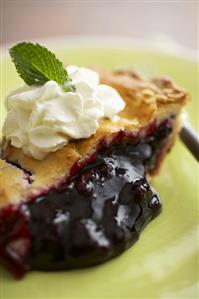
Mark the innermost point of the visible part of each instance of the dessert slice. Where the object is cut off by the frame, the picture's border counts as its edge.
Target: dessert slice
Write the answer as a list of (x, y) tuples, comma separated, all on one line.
[(88, 201)]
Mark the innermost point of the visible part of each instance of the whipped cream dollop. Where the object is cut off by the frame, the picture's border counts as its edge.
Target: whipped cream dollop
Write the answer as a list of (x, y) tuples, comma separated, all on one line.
[(44, 119)]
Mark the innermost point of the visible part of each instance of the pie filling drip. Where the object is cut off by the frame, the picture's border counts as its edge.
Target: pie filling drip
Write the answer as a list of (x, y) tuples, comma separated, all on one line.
[(93, 217)]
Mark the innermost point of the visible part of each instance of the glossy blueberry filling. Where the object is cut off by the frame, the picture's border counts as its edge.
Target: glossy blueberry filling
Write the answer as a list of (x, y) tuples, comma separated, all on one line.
[(97, 216), (93, 217)]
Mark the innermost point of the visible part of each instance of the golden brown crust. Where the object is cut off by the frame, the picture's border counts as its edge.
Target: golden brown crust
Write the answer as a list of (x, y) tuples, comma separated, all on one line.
[(145, 101), (13, 183)]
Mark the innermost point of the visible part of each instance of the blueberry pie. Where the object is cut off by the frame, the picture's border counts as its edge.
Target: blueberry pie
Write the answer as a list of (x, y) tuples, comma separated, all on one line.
[(88, 198)]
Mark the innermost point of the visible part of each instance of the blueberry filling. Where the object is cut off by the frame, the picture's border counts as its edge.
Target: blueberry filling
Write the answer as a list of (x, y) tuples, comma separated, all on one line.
[(98, 215), (93, 217)]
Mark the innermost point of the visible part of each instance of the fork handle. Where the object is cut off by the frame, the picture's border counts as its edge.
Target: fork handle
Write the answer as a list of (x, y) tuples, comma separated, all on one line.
[(190, 138)]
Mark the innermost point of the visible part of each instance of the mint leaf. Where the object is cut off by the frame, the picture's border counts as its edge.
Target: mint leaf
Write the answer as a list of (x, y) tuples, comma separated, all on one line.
[(36, 65)]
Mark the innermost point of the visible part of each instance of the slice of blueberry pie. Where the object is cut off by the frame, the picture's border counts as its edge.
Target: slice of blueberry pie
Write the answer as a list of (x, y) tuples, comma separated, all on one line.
[(78, 147)]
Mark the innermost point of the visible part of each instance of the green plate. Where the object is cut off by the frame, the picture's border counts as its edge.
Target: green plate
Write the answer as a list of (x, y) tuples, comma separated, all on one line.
[(164, 262)]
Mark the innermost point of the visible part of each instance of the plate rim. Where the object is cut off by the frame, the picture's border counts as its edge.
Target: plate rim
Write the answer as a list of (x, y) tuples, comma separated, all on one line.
[(111, 42)]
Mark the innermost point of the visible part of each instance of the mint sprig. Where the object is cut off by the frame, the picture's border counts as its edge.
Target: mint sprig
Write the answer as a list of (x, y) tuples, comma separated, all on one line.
[(36, 65)]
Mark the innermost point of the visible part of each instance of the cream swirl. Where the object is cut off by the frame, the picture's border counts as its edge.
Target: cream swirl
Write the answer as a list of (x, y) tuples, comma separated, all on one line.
[(44, 119)]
